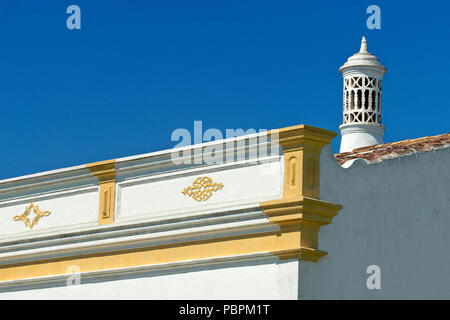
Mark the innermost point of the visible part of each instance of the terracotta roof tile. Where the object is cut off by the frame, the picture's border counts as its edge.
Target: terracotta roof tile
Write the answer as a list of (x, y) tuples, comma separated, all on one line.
[(395, 149)]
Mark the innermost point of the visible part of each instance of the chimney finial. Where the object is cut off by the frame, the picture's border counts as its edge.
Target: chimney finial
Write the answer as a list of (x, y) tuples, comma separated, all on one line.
[(363, 46)]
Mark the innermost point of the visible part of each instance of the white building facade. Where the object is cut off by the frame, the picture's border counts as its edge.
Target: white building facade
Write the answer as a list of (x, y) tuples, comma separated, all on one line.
[(156, 227), (274, 216)]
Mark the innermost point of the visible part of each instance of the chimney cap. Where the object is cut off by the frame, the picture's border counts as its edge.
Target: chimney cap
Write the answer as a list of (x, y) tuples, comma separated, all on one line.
[(363, 59)]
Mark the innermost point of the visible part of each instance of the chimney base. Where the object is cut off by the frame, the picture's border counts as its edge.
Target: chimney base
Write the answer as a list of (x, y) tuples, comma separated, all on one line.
[(360, 135)]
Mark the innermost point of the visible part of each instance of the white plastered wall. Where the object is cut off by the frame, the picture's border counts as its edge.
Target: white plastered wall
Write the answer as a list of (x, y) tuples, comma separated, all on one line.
[(396, 214), (264, 279)]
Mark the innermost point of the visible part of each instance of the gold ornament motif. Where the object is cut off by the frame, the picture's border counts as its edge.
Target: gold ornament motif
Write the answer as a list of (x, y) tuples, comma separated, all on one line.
[(26, 220), (202, 189)]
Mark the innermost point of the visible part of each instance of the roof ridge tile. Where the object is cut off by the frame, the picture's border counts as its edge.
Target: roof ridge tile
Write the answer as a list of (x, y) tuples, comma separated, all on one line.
[(395, 149)]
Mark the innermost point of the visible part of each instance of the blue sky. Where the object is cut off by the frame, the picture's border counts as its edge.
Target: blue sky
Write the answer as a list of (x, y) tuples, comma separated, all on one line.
[(138, 70)]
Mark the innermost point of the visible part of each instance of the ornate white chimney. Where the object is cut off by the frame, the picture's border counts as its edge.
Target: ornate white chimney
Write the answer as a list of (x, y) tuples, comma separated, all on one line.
[(362, 75)]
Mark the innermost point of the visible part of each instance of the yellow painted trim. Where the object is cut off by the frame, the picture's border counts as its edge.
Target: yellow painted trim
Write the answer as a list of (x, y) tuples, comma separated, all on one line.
[(305, 216), (25, 216), (300, 210), (105, 172), (301, 147), (283, 244), (202, 188), (306, 254)]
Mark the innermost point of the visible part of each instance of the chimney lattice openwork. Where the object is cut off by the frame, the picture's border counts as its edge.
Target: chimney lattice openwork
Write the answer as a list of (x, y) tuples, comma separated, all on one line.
[(362, 99)]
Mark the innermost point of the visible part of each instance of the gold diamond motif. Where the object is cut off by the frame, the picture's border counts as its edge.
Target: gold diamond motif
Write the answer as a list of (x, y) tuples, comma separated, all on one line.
[(202, 189), (26, 220)]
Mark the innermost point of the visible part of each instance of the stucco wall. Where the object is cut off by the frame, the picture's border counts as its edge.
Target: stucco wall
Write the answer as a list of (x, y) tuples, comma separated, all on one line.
[(396, 214), (264, 279)]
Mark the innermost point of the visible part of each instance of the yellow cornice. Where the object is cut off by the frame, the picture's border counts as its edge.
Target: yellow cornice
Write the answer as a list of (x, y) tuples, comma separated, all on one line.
[(301, 136), (306, 254), (303, 217), (300, 211), (105, 172), (304, 209)]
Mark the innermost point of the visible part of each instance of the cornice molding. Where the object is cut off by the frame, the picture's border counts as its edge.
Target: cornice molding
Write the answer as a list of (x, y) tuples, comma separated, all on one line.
[(300, 212), (112, 237), (304, 209), (302, 136), (303, 217)]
